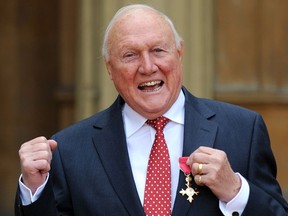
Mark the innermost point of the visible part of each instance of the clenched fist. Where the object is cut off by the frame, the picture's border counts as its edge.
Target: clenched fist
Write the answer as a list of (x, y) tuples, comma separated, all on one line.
[(35, 159)]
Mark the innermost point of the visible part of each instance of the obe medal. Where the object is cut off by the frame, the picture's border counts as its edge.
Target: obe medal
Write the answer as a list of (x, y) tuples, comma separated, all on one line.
[(189, 191)]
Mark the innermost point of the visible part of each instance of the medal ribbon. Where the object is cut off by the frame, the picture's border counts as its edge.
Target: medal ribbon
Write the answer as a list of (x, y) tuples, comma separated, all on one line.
[(183, 166)]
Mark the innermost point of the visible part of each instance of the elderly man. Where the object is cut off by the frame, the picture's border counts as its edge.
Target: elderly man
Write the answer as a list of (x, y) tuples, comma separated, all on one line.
[(110, 163)]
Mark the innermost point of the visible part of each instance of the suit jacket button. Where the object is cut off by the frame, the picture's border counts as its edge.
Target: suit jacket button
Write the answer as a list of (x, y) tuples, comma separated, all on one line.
[(235, 214)]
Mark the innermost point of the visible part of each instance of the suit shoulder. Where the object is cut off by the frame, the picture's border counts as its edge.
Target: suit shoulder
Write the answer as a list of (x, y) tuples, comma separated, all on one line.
[(229, 116), (211, 107), (224, 107), (82, 126), (76, 128), (99, 120)]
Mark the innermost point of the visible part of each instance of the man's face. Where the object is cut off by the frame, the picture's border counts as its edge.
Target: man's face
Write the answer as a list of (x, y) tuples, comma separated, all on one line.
[(144, 63)]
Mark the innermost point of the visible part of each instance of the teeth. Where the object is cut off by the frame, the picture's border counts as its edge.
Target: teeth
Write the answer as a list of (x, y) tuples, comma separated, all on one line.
[(152, 83)]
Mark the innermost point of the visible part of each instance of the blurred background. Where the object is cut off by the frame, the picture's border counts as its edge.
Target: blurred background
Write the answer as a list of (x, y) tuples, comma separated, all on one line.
[(52, 73)]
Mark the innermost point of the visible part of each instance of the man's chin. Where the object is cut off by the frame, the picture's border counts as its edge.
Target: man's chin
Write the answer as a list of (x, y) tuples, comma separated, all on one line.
[(153, 110)]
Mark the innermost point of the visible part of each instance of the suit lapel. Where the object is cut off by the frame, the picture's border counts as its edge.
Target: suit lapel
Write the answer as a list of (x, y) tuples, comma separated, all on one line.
[(198, 131), (110, 143)]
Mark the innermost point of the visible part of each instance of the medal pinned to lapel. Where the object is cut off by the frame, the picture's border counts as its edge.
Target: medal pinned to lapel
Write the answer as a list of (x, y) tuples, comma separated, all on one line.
[(189, 191)]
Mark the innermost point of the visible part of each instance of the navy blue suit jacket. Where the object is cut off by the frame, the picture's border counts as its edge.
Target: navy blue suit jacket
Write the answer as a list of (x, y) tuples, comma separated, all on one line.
[(91, 173)]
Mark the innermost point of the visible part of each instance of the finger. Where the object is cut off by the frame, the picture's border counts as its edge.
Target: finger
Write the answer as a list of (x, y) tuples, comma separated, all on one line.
[(206, 155), (42, 166), (31, 173), (37, 164), (36, 144), (41, 155), (32, 151), (53, 145), (206, 150), (36, 150), (199, 157), (199, 179), (43, 151), (198, 169), (40, 139)]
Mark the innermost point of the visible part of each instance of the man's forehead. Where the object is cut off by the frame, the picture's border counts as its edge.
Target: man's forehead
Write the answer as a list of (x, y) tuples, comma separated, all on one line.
[(140, 12), (142, 26), (139, 16), (138, 20), (133, 35)]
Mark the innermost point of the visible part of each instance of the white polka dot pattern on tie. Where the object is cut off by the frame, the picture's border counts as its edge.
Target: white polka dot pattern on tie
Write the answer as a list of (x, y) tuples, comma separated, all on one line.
[(157, 195)]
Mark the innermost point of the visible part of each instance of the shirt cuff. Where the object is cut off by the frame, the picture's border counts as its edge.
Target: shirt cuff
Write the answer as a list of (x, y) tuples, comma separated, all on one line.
[(26, 195), (239, 202)]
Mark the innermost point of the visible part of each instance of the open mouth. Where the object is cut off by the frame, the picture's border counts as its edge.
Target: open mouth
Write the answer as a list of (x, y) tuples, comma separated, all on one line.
[(151, 86)]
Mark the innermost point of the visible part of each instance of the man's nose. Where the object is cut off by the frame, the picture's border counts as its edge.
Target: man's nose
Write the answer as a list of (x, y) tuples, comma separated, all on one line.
[(147, 65)]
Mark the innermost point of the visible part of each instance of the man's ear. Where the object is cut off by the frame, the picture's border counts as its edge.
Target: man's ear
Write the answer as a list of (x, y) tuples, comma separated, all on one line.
[(109, 69), (180, 50)]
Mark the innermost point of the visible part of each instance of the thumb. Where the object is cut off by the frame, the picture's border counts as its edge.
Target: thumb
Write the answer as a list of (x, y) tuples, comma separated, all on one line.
[(53, 145)]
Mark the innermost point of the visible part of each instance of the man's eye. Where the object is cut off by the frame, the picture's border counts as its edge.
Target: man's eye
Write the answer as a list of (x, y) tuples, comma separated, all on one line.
[(129, 55), (158, 50)]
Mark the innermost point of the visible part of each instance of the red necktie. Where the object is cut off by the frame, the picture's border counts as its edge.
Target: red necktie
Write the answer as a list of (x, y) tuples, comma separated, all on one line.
[(157, 195)]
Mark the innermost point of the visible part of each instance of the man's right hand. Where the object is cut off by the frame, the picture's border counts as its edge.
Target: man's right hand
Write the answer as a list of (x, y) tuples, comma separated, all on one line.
[(35, 159)]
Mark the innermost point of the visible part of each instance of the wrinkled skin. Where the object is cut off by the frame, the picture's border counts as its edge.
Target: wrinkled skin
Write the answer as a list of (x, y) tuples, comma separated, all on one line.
[(144, 63)]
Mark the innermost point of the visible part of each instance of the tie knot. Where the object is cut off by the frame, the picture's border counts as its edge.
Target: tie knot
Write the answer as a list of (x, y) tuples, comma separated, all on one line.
[(159, 123)]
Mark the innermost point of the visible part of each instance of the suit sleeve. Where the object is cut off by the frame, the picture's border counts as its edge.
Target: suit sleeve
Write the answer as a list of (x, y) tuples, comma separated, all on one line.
[(44, 206), (265, 193), (54, 199)]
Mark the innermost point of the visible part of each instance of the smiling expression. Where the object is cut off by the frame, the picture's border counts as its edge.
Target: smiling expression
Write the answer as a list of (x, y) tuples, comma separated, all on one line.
[(144, 62)]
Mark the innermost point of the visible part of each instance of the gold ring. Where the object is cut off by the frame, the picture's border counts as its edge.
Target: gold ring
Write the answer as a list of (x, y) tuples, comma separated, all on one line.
[(200, 169)]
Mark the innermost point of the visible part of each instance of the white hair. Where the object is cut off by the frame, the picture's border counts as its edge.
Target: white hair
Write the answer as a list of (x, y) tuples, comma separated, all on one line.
[(123, 11)]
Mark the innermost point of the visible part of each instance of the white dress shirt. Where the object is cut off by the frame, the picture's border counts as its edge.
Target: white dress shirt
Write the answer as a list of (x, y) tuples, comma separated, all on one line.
[(140, 137)]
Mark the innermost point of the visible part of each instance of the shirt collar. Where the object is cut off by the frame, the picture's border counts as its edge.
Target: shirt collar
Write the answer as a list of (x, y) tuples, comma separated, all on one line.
[(134, 121)]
